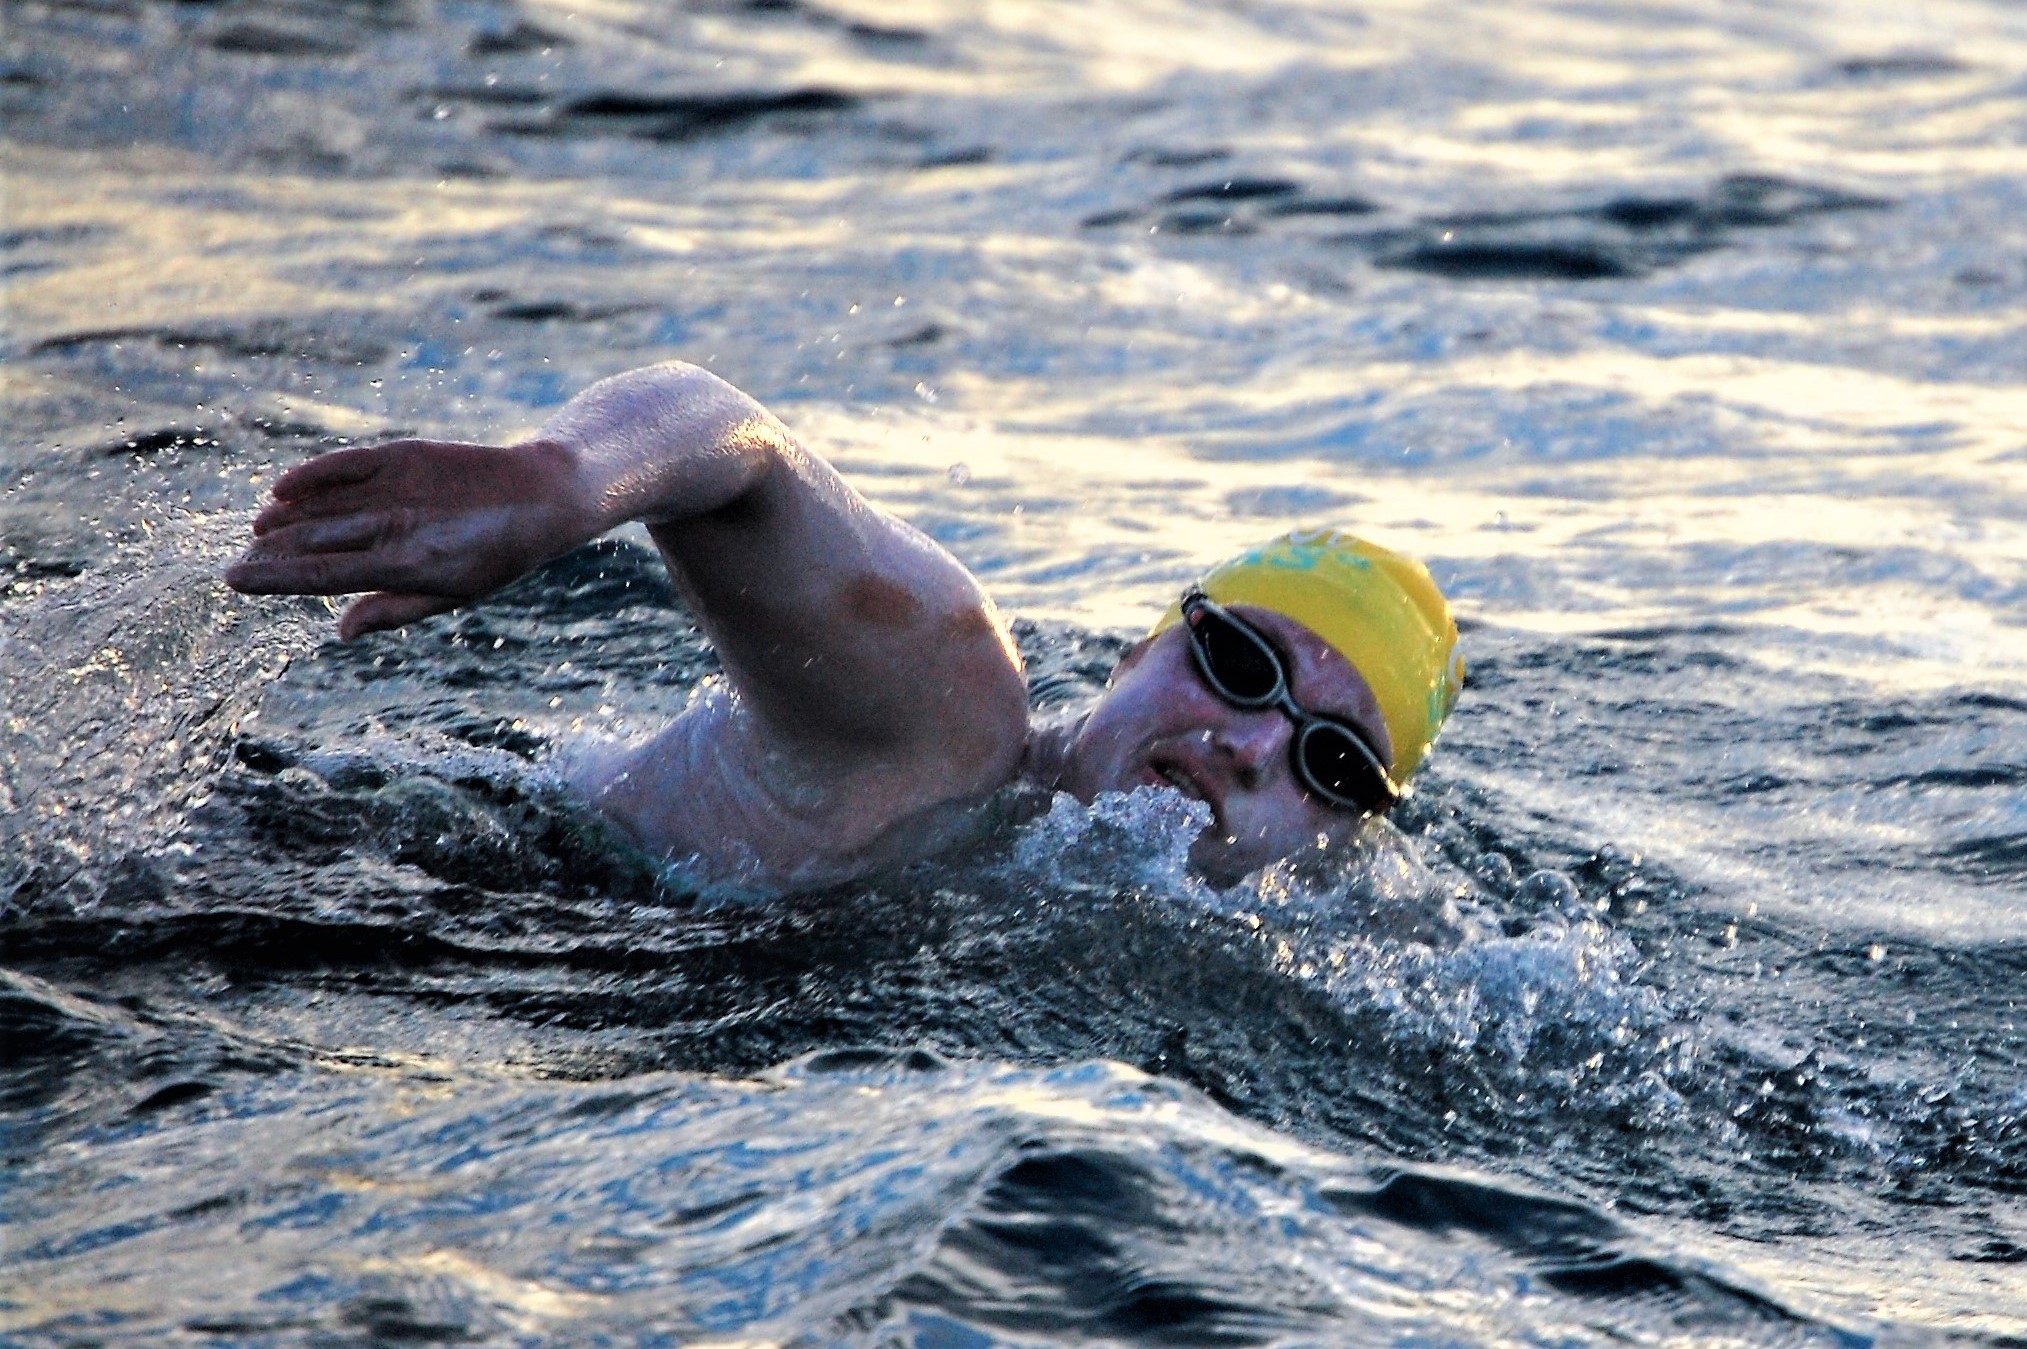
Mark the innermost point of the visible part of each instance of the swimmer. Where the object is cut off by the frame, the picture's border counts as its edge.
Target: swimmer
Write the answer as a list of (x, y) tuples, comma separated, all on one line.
[(874, 702)]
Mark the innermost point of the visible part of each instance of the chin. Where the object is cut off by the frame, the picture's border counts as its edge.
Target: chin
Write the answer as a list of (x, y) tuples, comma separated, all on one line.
[(1224, 864)]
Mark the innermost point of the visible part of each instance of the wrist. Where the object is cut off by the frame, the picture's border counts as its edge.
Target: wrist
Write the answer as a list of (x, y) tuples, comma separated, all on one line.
[(661, 444), (574, 502)]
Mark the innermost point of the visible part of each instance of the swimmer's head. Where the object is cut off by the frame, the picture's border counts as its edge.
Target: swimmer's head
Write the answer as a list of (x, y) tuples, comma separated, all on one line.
[(1377, 609)]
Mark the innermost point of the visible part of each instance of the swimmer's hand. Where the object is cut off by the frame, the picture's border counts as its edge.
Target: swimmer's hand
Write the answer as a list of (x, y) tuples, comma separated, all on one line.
[(420, 526)]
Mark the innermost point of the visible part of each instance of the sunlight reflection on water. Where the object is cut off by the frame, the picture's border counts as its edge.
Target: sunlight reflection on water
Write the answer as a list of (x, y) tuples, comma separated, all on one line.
[(1684, 341)]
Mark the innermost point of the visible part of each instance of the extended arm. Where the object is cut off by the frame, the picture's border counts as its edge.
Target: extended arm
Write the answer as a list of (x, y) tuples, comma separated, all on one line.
[(861, 651)]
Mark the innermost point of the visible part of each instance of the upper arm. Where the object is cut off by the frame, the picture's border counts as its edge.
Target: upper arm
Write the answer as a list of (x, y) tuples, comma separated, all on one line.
[(858, 645), (876, 685)]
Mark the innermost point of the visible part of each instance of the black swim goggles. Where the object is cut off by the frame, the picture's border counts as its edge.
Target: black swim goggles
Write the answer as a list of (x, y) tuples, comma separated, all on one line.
[(1331, 759)]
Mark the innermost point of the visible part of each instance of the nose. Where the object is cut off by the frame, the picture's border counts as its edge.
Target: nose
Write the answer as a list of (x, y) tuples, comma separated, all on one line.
[(1251, 741)]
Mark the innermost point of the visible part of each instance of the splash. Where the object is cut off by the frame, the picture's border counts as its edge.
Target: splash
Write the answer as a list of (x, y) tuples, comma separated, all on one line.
[(127, 687), (1137, 840), (1555, 1018)]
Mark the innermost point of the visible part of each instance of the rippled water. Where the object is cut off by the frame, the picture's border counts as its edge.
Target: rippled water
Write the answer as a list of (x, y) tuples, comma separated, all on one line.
[(1683, 339)]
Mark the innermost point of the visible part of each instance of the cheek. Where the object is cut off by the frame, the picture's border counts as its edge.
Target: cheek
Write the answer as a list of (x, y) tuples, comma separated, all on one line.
[(1284, 821), (1256, 842), (1139, 708), (1101, 748), (1265, 828)]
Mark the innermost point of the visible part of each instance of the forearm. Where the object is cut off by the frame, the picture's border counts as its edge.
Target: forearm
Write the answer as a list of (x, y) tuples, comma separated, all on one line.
[(665, 443)]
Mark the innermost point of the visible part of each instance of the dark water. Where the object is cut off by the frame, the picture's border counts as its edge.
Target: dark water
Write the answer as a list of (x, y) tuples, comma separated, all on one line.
[(1680, 1004)]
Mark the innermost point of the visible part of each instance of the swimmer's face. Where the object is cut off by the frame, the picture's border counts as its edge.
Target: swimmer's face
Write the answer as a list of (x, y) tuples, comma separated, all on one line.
[(1159, 724)]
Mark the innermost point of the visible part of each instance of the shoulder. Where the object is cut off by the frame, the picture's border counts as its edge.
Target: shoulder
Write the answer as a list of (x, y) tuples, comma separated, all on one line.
[(718, 790)]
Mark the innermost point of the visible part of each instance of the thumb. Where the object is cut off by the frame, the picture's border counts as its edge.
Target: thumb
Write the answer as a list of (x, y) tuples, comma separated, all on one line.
[(384, 609)]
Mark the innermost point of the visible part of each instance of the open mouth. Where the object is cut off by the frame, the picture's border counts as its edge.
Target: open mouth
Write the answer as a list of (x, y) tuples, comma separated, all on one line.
[(1168, 773), (1160, 774)]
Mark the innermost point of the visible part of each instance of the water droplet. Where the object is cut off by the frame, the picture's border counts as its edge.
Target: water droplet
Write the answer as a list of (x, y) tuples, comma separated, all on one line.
[(1549, 889)]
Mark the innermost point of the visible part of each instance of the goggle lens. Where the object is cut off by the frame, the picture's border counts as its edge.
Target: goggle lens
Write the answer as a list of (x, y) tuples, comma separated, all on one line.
[(1340, 767), (1241, 667)]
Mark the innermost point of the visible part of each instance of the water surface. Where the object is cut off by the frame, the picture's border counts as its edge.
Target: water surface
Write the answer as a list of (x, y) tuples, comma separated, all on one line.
[(1681, 1001)]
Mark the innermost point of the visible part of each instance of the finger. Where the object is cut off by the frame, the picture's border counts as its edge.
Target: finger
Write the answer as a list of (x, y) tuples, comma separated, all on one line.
[(339, 468), (386, 609), (341, 534), (255, 574), (262, 572), (323, 502)]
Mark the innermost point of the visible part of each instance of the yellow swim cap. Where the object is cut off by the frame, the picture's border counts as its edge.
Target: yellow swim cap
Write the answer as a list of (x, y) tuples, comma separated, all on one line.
[(1377, 609)]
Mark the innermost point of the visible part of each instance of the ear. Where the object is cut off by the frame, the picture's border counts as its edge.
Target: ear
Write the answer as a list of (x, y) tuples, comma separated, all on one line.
[(1130, 659)]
